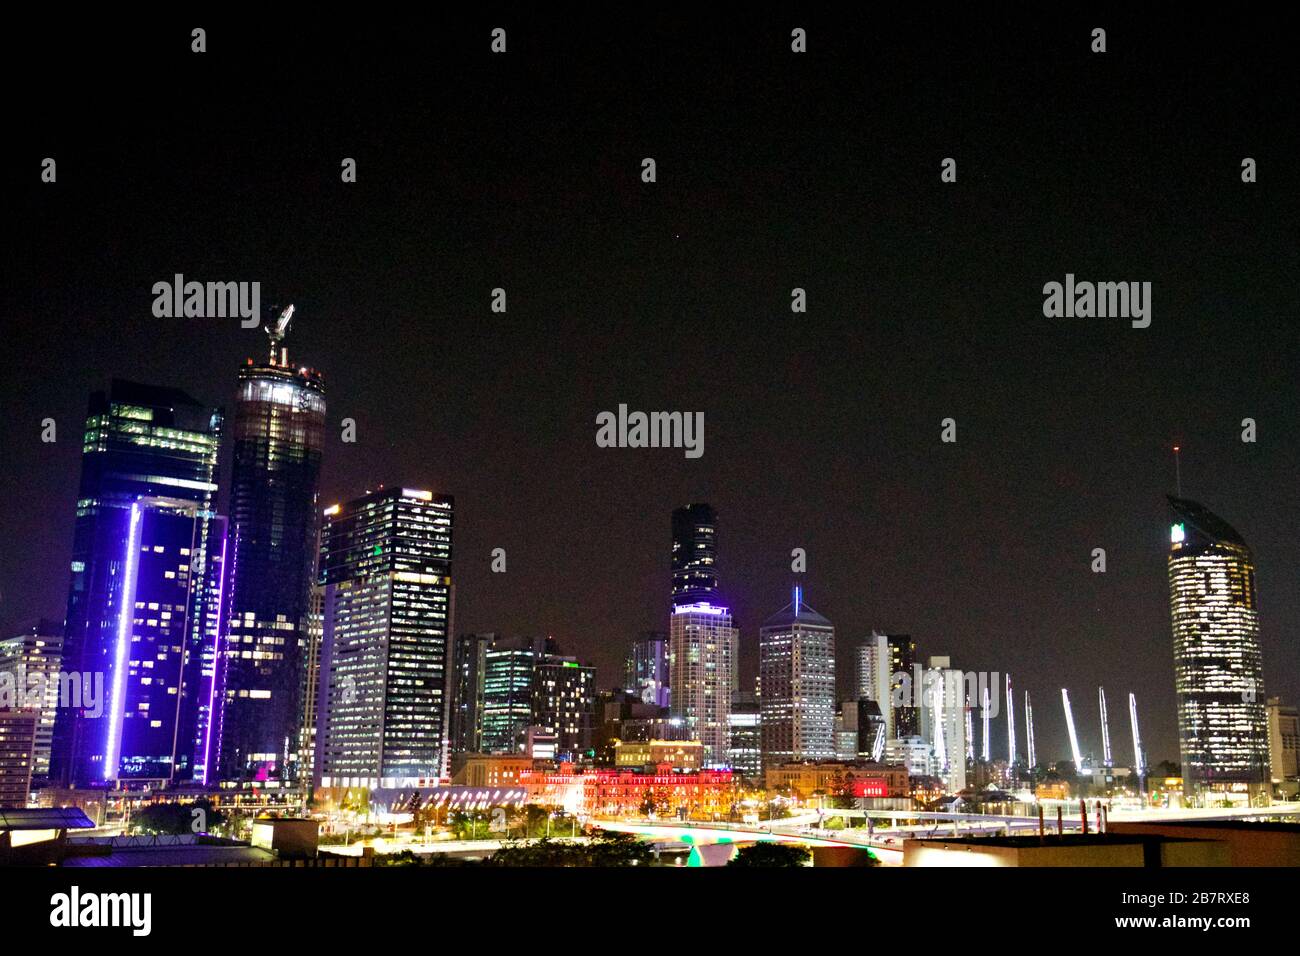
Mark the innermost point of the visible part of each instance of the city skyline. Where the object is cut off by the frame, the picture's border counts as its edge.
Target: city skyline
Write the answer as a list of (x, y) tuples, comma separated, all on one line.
[(696, 512), (924, 302)]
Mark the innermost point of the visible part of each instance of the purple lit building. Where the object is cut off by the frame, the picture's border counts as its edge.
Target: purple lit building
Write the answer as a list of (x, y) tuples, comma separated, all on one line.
[(145, 591)]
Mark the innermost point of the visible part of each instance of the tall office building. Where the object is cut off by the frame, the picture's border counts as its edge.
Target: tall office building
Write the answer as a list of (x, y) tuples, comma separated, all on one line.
[(279, 434), (530, 689), (161, 690), (695, 555), (32, 659), (647, 668), (308, 771), (469, 664), (564, 703), (1218, 666), (148, 477), (943, 721), (883, 669), (746, 754), (703, 646), (385, 564), (17, 754), (509, 669), (864, 719), (796, 664)]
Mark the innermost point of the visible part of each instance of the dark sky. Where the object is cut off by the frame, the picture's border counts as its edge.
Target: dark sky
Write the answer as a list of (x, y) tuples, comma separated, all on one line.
[(774, 171)]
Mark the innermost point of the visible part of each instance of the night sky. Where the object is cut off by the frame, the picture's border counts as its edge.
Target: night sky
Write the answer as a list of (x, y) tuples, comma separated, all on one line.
[(775, 170)]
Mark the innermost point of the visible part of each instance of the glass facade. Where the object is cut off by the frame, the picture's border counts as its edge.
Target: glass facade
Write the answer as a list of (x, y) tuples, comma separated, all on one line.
[(32, 659), (278, 432), (1218, 666), (695, 554), (564, 703), (796, 670), (149, 459), (647, 669), (508, 681), (386, 567), (468, 667), (702, 653)]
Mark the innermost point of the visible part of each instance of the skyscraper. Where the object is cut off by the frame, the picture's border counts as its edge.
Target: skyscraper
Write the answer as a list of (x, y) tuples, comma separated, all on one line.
[(564, 702), (703, 645), (695, 555), (509, 669), (883, 673), (1218, 666), (17, 754), (746, 754), (148, 477), (386, 566), (647, 668), (943, 721), (702, 642), (469, 664), (32, 659), (279, 434), (796, 665)]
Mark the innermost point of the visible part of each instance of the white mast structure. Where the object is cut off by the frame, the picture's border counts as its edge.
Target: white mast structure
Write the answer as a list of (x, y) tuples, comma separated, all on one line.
[(987, 751), (970, 733), (1138, 764), (1105, 729), (1011, 726), (1029, 732), (1074, 739)]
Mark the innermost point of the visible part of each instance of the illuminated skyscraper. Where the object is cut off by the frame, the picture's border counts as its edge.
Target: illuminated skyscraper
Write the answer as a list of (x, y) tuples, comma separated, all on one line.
[(796, 668), (32, 659), (1218, 666), (695, 555), (702, 649), (469, 667), (883, 673), (385, 563), (278, 431), (509, 671), (943, 721), (647, 668), (702, 642), (141, 625), (564, 703)]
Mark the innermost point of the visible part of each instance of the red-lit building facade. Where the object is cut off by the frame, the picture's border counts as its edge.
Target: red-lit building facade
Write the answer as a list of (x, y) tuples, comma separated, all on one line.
[(613, 793)]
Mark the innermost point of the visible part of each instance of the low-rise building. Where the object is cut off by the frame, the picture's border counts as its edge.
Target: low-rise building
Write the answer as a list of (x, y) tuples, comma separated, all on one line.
[(605, 793), (1072, 850), (649, 755), (838, 778)]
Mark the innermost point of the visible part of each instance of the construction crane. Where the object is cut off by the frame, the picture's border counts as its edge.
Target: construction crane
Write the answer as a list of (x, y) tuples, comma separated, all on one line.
[(277, 331)]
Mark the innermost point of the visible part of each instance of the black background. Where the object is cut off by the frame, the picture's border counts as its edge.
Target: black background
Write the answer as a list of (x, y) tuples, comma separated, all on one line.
[(775, 170)]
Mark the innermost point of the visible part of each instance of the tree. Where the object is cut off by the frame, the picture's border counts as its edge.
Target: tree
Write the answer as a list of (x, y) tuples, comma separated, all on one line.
[(771, 854), (178, 818), (604, 848)]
